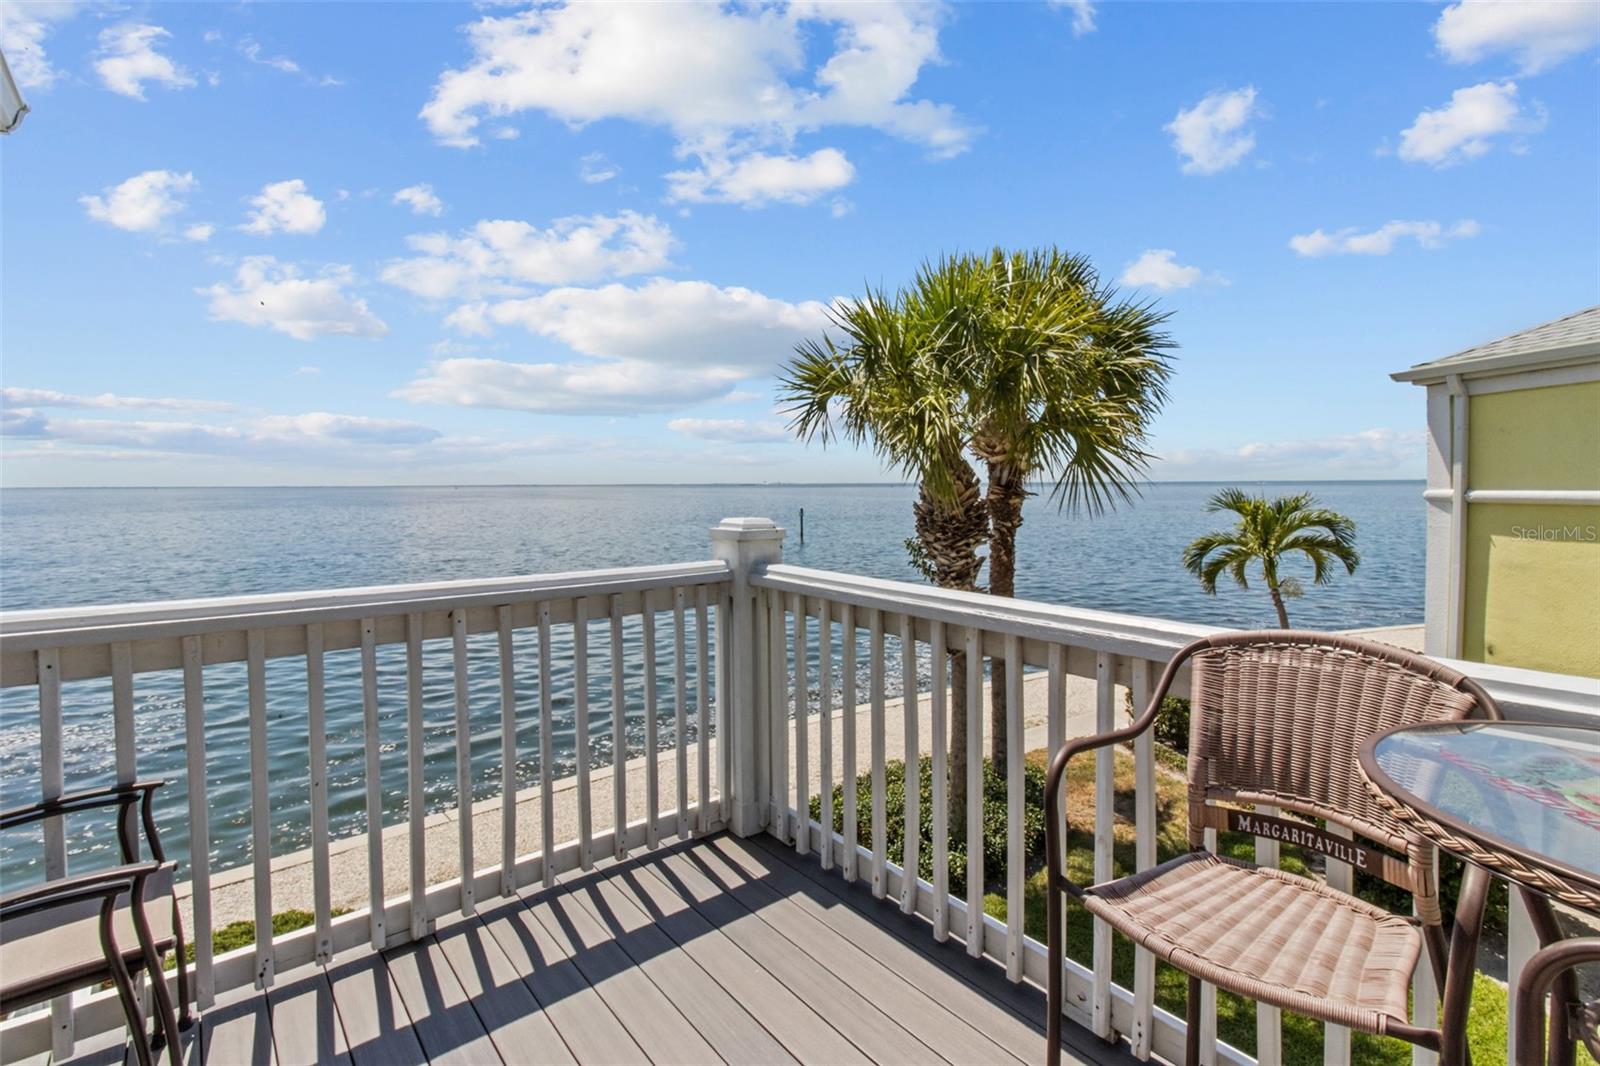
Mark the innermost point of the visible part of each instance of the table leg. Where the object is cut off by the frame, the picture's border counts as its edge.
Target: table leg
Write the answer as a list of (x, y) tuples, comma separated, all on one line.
[(1541, 972), (1456, 996)]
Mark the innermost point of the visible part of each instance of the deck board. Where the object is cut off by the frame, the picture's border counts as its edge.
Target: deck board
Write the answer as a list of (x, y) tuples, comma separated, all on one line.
[(895, 992), (513, 1017), (648, 1015), (376, 1024), (804, 1034), (236, 1029), (723, 1019), (705, 951), (305, 1025)]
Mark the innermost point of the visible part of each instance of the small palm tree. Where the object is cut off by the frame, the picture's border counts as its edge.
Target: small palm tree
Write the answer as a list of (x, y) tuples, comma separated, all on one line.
[(1267, 531)]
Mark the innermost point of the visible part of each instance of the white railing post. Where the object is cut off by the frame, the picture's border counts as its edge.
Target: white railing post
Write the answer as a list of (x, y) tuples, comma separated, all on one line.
[(744, 543)]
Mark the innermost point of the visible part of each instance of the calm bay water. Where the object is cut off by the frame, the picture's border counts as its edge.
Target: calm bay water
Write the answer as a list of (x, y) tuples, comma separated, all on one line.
[(95, 546)]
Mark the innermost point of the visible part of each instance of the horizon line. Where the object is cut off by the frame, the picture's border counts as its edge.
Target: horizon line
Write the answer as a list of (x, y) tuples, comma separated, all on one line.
[(679, 484)]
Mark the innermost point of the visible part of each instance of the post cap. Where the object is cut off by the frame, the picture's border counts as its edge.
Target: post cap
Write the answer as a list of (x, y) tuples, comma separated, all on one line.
[(747, 528)]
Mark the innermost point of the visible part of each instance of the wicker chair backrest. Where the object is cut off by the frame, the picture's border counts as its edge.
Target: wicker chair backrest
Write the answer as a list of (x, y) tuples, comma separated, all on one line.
[(1277, 718)]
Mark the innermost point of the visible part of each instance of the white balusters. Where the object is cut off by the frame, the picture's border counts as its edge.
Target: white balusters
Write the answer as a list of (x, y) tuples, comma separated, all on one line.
[(547, 763), (847, 753), (680, 715), (702, 721), (1144, 857), (1056, 736), (317, 726), (1208, 995), (1340, 876), (580, 728), (619, 737), (51, 785), (372, 748), (260, 804), (508, 753), (825, 727), (416, 807), (802, 761), (1105, 708), (1269, 1019), (941, 790), (122, 713), (778, 713), (913, 765), (194, 732), (652, 761), (463, 751), (880, 874), (1015, 858), (974, 694)]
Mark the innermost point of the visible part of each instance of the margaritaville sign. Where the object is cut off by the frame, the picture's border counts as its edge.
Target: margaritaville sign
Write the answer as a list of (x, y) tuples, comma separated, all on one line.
[(1301, 835)]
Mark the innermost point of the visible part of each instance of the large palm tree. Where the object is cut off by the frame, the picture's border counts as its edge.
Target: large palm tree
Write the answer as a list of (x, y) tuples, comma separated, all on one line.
[(1061, 380), (1266, 532), (880, 384)]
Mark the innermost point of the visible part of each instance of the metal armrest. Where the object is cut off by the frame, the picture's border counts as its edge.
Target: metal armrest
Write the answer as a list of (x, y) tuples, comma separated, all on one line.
[(123, 796), (94, 883)]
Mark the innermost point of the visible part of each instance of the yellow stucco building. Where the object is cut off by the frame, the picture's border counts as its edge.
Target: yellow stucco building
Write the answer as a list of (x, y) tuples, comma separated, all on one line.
[(1514, 498)]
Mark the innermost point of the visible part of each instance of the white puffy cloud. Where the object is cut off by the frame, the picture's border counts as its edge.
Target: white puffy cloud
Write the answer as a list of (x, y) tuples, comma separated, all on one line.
[(1370, 453), (501, 256), (285, 207), (23, 30), (678, 323), (127, 59), (595, 168), (1158, 268), (200, 231), (727, 80), (1215, 134), (620, 387), (759, 178), (651, 347), (13, 396), (1538, 33), (1465, 128), (421, 199), (731, 430), (268, 293), (1381, 241), (1083, 13), (142, 203)]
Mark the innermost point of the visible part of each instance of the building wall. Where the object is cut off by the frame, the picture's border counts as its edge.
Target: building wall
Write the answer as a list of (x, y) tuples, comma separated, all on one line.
[(1531, 594)]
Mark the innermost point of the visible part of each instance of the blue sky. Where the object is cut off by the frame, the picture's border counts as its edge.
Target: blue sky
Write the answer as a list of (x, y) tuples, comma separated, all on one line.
[(428, 243)]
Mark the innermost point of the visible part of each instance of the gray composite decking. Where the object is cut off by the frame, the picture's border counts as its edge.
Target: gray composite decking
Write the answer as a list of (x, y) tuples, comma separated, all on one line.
[(718, 949)]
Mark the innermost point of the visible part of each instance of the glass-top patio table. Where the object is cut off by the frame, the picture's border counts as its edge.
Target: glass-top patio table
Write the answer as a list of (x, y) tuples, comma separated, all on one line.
[(1520, 800)]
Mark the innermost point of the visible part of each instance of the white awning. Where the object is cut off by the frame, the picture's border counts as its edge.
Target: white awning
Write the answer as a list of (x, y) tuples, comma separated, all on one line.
[(12, 106)]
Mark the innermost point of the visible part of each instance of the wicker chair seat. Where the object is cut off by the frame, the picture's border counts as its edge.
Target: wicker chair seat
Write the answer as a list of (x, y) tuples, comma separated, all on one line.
[(1269, 935)]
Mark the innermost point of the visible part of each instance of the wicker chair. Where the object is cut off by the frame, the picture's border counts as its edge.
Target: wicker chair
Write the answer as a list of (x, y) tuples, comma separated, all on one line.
[(101, 925), (1276, 720)]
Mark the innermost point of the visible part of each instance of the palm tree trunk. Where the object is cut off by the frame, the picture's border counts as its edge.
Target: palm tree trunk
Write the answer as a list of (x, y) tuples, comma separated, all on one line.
[(1007, 490), (949, 533), (1277, 602)]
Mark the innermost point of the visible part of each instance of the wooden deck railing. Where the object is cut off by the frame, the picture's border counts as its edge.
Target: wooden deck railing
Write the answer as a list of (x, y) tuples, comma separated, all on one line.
[(54, 650), (761, 654)]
